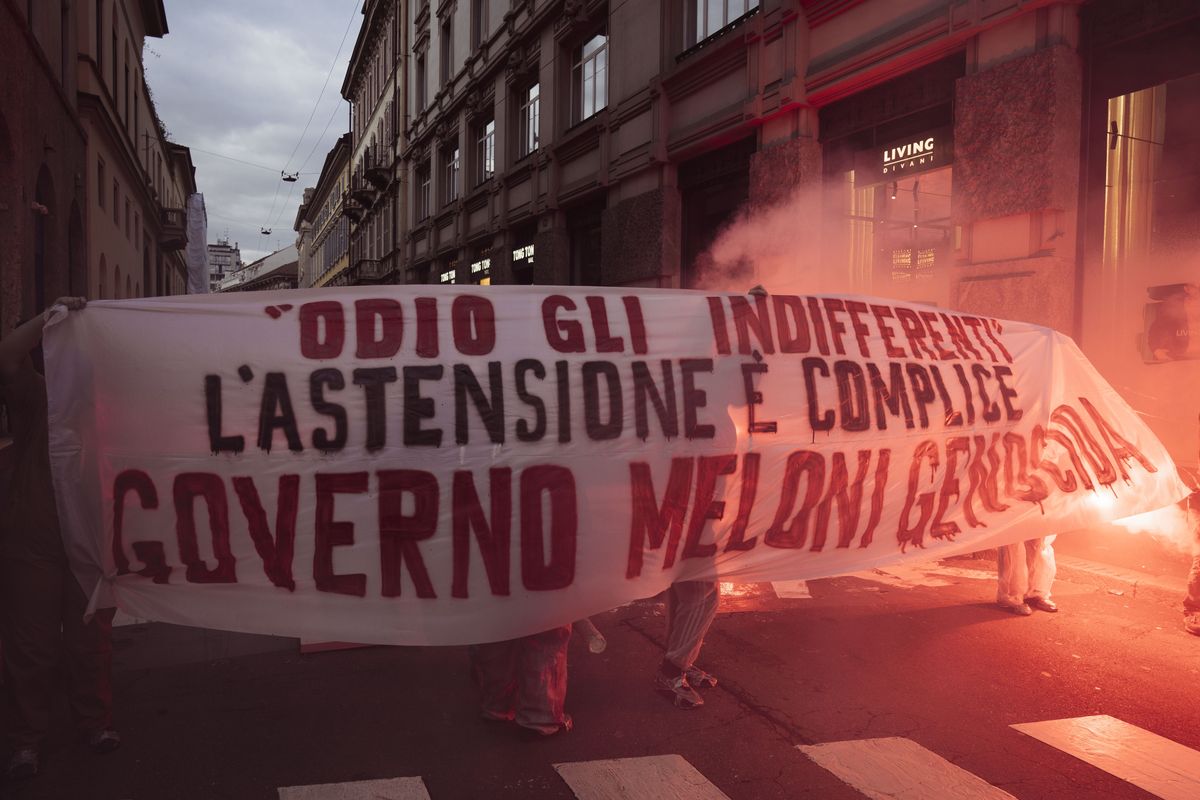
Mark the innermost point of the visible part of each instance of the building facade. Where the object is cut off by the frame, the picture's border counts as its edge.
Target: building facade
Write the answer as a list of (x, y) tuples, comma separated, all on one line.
[(1027, 159), (374, 203), (323, 230), (223, 259), (279, 270), (43, 205), (139, 181)]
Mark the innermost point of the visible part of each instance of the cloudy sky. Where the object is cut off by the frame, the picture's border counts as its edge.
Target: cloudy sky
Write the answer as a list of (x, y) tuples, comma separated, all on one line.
[(240, 79)]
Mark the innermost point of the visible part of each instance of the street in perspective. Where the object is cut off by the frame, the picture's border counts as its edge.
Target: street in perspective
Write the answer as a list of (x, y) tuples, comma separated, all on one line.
[(599, 399)]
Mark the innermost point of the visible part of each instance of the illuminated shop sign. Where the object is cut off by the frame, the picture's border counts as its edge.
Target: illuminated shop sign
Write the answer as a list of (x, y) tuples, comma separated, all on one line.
[(449, 276), (483, 265), (523, 254), (921, 153)]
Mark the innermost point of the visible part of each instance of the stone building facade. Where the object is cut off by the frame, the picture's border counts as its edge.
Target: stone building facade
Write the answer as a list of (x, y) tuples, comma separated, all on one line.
[(223, 258), (1028, 159), (375, 198), (138, 180), (278, 270), (322, 227), (43, 206)]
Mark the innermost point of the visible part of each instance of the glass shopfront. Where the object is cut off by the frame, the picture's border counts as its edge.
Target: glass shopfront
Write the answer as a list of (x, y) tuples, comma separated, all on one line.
[(1139, 288), (888, 158), (896, 234)]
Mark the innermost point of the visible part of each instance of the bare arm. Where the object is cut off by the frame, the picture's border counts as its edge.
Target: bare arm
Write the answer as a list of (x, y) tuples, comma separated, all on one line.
[(18, 344)]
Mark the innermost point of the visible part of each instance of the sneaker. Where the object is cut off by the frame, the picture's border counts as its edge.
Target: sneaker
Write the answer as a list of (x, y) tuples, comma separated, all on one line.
[(700, 679), (23, 764), (1021, 610), (678, 690), (542, 731), (104, 741), (1041, 604), (1191, 623)]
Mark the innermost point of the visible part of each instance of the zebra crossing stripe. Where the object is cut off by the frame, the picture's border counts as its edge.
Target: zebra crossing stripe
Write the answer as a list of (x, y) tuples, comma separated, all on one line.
[(792, 590), (1155, 764), (668, 777), (899, 769), (385, 789)]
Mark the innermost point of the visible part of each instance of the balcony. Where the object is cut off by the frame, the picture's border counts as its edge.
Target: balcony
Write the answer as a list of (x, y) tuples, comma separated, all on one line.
[(173, 235), (378, 169), (351, 209), (363, 195), (366, 270)]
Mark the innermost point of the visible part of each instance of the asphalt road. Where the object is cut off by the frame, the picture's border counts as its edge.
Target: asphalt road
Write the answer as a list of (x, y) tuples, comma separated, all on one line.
[(208, 715)]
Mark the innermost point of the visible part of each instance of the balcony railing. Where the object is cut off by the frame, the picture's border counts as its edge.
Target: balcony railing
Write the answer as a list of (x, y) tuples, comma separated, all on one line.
[(174, 229), (377, 167), (367, 270), (363, 194)]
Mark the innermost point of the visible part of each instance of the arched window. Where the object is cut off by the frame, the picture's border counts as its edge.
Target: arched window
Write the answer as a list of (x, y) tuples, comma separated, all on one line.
[(103, 279), (128, 288), (137, 289), (117, 282)]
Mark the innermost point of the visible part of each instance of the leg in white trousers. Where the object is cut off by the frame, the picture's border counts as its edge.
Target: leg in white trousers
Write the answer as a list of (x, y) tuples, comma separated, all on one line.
[(1025, 570), (691, 608)]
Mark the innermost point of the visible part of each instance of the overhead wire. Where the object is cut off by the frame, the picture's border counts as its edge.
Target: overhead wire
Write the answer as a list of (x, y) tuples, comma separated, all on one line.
[(313, 113), (238, 160)]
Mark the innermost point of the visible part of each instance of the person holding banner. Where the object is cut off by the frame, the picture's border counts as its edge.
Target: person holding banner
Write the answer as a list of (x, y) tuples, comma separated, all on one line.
[(42, 606), (525, 680), (691, 608), (1191, 603), (1025, 573)]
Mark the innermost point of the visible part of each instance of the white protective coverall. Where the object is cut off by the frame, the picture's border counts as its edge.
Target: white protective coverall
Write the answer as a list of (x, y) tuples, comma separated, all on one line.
[(1025, 569)]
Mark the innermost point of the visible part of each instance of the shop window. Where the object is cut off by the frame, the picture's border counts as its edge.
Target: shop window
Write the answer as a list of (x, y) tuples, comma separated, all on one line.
[(1172, 323), (705, 18), (528, 119), (584, 230), (589, 78), (449, 273), (1136, 124), (522, 256), (485, 151), (481, 267)]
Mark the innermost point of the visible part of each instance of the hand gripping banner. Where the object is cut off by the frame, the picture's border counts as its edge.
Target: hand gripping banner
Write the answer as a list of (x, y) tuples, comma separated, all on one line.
[(454, 464)]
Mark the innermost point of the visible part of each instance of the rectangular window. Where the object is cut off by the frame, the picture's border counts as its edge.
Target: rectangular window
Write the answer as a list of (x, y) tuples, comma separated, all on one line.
[(128, 58), (424, 182), (422, 82), (485, 151), (116, 202), (113, 84), (450, 166), (707, 17), (100, 36), (447, 44), (528, 119), (479, 23), (127, 215), (101, 182), (589, 78)]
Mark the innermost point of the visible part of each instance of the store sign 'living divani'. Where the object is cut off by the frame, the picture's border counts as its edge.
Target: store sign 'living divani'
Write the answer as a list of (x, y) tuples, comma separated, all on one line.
[(924, 151)]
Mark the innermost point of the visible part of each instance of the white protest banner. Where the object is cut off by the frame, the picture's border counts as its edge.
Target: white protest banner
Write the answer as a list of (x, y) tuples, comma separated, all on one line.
[(454, 464)]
